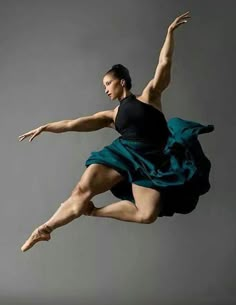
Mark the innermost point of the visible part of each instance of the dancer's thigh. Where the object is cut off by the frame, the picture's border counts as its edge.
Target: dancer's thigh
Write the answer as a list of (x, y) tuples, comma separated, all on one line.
[(98, 178), (148, 202)]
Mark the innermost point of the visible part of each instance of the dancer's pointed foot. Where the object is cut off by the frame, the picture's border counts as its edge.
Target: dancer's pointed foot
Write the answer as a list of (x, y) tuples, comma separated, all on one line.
[(39, 234)]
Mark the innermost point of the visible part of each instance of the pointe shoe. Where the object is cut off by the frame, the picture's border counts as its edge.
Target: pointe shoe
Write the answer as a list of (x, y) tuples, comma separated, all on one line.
[(38, 234)]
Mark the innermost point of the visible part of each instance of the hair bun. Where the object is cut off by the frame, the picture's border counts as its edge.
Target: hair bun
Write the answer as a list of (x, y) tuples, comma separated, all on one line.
[(121, 72), (118, 66)]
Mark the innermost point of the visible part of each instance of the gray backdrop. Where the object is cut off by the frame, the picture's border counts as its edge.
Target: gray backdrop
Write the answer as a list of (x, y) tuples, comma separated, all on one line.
[(53, 55)]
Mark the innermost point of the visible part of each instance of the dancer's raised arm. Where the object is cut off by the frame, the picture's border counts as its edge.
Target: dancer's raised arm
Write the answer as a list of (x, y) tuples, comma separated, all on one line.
[(162, 74)]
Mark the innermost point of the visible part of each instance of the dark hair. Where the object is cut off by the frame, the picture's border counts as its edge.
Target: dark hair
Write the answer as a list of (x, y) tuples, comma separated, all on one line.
[(121, 72)]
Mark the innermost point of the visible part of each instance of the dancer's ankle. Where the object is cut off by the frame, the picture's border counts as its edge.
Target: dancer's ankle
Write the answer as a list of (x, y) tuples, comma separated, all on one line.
[(95, 211), (47, 228)]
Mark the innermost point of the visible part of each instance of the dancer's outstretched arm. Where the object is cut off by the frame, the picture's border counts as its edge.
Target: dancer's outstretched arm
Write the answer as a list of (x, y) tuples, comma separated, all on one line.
[(88, 123)]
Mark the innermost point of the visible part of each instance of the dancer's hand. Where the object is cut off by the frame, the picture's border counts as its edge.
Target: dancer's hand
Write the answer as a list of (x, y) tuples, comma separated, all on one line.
[(178, 21), (33, 133)]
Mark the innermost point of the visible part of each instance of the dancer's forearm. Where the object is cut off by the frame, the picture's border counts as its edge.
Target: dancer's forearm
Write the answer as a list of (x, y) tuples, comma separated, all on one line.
[(87, 123), (80, 124), (57, 127), (168, 47)]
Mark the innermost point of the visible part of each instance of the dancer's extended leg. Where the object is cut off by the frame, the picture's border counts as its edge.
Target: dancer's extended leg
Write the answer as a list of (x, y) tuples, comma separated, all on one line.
[(145, 210), (96, 179), (68, 211)]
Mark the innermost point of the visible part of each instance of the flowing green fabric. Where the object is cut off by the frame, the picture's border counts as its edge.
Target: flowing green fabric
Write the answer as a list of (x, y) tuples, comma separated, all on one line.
[(180, 171)]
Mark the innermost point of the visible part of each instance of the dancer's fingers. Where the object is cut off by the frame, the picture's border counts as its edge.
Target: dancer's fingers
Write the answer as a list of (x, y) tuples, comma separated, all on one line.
[(184, 14), (30, 140)]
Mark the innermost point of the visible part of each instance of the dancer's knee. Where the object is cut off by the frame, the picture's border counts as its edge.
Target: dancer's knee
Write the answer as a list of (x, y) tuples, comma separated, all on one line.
[(82, 190), (78, 201), (146, 218)]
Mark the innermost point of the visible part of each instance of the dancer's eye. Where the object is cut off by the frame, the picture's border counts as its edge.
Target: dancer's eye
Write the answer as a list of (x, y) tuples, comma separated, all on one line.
[(107, 83)]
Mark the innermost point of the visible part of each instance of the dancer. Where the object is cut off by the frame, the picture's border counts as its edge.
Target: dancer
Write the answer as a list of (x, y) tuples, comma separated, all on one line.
[(156, 167)]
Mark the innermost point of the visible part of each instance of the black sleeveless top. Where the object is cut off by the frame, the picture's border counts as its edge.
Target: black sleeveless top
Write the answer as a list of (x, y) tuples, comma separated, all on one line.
[(139, 121)]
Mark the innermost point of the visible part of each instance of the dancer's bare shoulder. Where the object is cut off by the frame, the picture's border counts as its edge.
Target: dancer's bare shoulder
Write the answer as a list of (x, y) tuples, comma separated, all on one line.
[(151, 97), (147, 96)]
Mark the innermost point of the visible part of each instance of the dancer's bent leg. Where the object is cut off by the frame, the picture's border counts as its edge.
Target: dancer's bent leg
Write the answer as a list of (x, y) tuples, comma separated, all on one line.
[(145, 210), (123, 210)]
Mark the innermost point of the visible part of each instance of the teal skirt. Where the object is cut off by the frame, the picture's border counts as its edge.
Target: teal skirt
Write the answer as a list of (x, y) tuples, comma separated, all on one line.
[(180, 171)]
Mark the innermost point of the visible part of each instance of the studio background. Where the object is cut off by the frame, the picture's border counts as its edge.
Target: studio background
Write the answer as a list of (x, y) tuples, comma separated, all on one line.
[(53, 55)]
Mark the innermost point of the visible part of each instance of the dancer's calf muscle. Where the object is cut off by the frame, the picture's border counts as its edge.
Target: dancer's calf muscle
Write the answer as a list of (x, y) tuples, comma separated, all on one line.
[(69, 210), (123, 210)]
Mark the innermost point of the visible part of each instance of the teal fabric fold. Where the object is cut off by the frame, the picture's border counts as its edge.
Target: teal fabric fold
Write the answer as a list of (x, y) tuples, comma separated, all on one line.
[(180, 171)]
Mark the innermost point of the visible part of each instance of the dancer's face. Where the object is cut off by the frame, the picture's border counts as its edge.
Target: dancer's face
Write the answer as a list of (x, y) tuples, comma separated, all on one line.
[(113, 86)]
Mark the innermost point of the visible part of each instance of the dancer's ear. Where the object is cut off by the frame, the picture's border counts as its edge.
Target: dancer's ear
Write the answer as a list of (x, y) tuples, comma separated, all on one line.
[(122, 82)]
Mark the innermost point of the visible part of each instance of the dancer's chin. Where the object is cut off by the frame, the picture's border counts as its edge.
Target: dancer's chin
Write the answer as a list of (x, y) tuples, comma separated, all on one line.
[(112, 97)]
